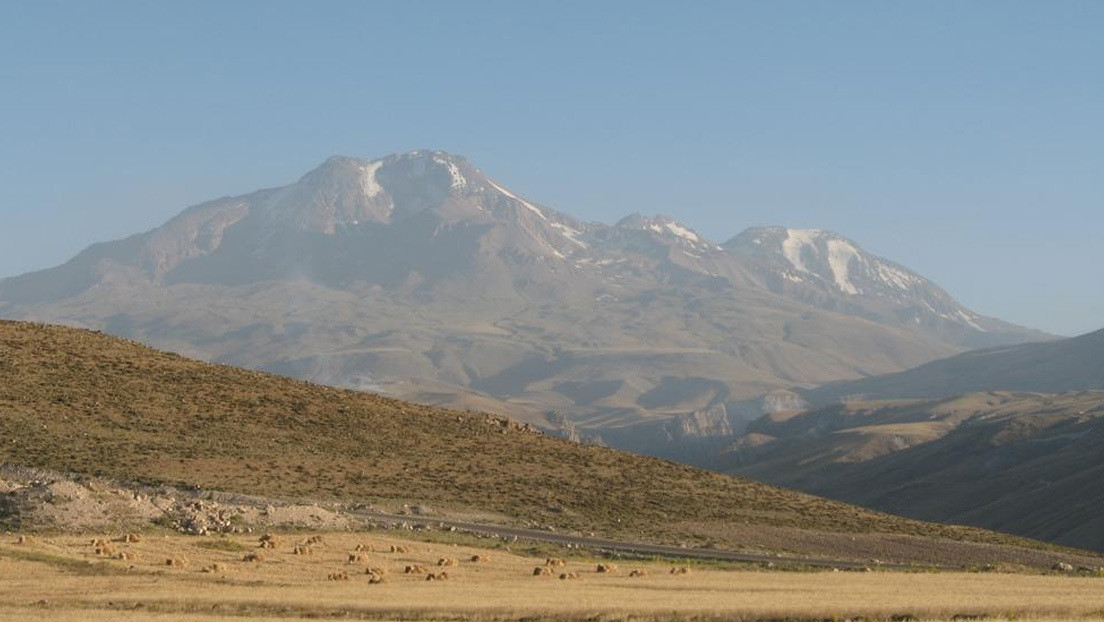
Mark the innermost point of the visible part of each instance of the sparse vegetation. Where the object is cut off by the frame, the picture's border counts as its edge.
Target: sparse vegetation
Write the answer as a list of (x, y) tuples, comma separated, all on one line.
[(59, 578), (79, 401), (224, 544)]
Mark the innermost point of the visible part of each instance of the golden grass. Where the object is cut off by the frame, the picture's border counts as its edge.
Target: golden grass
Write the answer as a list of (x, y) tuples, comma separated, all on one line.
[(286, 587), (83, 402)]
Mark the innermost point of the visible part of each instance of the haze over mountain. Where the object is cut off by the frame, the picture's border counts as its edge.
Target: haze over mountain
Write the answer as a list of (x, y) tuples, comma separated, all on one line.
[(1024, 463), (1008, 438), (421, 276), (1075, 364)]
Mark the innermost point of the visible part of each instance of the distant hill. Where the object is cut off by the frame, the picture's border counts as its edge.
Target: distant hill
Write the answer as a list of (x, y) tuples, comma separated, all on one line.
[(74, 400), (424, 277), (1075, 364), (1025, 463)]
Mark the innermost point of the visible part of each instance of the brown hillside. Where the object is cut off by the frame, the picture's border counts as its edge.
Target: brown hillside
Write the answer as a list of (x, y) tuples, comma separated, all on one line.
[(84, 402), (1025, 463)]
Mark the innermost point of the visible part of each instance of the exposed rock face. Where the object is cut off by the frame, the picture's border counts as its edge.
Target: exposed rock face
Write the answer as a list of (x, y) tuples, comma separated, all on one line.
[(707, 423), (780, 401), (34, 499)]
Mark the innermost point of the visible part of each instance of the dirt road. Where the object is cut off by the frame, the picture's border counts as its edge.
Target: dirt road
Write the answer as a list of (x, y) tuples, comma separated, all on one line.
[(637, 548)]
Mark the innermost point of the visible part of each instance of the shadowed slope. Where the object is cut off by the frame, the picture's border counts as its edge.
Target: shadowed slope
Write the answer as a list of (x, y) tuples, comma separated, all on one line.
[(1026, 463), (1075, 364)]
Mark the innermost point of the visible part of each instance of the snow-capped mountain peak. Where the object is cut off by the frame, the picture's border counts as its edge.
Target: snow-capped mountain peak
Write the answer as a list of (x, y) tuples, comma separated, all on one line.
[(665, 227), (817, 259)]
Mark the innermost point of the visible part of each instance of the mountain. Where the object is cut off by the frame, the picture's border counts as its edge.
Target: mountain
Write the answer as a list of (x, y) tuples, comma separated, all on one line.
[(421, 276), (1024, 463), (82, 402), (830, 271), (1075, 364)]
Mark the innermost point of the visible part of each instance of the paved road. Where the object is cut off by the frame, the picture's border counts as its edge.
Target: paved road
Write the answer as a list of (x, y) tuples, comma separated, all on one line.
[(636, 548)]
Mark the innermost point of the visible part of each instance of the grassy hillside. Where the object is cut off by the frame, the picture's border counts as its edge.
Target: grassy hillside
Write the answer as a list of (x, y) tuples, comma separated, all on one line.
[(1026, 463), (80, 401)]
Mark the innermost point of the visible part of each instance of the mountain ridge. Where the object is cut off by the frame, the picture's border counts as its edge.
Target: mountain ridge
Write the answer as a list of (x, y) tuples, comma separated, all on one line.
[(1018, 462), (420, 268), (1058, 366)]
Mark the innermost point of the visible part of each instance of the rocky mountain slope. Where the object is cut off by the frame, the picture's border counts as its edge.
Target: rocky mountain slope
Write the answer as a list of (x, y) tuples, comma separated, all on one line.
[(1025, 463), (82, 402), (421, 276)]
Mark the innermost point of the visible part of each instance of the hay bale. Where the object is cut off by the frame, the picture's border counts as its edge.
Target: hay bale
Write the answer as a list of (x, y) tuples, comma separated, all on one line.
[(302, 549), (363, 548), (399, 549), (213, 568), (415, 570), (268, 544), (99, 542), (355, 558), (376, 570), (639, 572), (175, 562), (564, 576), (132, 538), (268, 537), (607, 568), (105, 551), (22, 540), (440, 576), (555, 561), (253, 557), (480, 559), (314, 540), (126, 556), (446, 561), (374, 579), (542, 571), (338, 576)]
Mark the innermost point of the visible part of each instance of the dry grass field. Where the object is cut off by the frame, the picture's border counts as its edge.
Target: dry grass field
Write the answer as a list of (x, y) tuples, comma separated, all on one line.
[(62, 578), (82, 402)]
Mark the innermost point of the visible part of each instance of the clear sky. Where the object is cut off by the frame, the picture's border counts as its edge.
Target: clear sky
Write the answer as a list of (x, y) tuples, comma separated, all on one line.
[(964, 140)]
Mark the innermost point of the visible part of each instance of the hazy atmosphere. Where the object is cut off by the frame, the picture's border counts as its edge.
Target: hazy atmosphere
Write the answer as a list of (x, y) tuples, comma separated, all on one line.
[(488, 310), (962, 140)]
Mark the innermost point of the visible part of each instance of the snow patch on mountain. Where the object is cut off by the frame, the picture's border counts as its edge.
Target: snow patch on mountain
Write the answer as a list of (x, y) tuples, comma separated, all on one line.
[(368, 178), (570, 233), (458, 180), (683, 232), (513, 196), (895, 278), (796, 240), (840, 256)]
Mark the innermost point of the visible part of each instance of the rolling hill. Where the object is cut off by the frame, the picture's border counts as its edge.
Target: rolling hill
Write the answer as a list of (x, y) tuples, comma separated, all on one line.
[(79, 401), (1075, 364), (1024, 463)]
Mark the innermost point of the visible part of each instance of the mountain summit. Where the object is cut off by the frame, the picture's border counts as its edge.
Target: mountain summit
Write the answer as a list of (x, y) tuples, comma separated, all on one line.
[(420, 275), (827, 268)]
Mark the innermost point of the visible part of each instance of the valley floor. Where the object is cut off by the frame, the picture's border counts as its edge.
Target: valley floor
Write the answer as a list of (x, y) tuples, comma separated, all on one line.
[(63, 578)]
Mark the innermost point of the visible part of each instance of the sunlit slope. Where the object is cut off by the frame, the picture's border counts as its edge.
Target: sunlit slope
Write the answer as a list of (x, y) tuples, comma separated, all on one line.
[(81, 401)]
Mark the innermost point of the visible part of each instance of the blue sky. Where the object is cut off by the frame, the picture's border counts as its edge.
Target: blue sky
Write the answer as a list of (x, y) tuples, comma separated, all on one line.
[(962, 139)]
